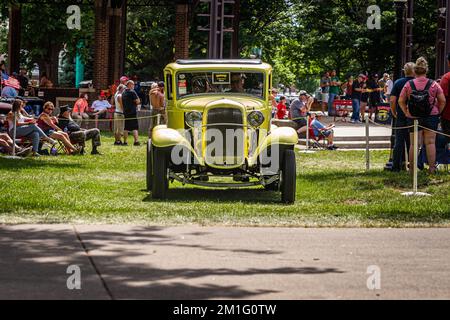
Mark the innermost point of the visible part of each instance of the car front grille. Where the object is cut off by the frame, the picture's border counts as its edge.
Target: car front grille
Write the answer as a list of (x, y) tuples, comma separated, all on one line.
[(225, 137)]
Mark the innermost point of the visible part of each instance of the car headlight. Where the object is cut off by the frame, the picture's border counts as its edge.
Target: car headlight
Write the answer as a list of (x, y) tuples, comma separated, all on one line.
[(193, 118), (255, 118)]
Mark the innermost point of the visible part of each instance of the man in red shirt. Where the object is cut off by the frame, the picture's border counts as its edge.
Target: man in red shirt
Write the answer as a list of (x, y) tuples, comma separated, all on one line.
[(445, 115)]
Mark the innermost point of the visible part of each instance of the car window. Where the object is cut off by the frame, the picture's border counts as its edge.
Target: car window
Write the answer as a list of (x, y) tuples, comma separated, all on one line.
[(223, 82)]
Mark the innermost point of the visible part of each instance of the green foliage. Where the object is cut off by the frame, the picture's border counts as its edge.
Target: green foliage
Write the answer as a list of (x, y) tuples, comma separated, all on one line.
[(150, 41)]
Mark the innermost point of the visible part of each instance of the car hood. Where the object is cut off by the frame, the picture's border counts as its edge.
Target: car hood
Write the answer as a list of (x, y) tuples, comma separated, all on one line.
[(199, 103)]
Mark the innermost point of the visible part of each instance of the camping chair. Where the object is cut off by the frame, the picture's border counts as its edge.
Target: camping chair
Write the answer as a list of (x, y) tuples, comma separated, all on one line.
[(319, 141)]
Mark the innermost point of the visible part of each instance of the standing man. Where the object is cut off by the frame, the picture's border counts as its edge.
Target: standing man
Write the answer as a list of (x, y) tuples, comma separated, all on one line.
[(445, 115), (130, 102), (325, 85), (399, 119), (334, 91), (356, 98), (119, 119), (156, 97), (388, 85), (23, 80)]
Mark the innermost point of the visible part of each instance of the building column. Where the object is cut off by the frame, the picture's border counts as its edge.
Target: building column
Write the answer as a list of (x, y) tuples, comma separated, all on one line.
[(101, 51), (115, 18), (181, 31), (15, 21)]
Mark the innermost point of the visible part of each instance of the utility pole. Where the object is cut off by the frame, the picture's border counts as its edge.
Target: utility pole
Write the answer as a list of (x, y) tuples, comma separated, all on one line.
[(400, 58)]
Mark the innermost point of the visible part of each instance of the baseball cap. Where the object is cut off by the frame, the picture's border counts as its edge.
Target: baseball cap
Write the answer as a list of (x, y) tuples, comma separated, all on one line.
[(123, 79)]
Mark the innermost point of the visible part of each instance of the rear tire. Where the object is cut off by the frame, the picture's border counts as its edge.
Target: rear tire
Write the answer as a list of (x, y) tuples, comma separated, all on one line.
[(149, 171), (288, 177), (160, 183)]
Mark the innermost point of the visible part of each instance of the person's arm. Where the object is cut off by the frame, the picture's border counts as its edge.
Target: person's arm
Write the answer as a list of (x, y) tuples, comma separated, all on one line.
[(441, 101), (402, 101), (393, 102), (48, 121), (309, 103)]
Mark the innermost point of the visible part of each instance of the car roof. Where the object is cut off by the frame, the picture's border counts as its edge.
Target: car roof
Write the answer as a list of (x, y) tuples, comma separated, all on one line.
[(219, 64)]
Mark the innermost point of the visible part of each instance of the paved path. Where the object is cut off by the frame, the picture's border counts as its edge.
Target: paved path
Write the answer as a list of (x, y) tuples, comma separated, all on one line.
[(123, 261)]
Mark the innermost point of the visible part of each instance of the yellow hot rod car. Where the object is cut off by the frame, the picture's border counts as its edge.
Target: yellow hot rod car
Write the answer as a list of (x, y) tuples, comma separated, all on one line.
[(219, 132)]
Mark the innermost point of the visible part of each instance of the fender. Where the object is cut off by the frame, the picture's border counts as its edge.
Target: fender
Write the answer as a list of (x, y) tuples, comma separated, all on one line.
[(278, 136), (163, 137)]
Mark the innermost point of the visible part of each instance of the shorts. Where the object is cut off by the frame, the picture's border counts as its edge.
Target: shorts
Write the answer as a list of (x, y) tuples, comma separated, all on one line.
[(364, 97), (326, 133), (49, 132), (119, 123), (430, 122), (300, 122), (131, 123), (100, 116), (324, 97)]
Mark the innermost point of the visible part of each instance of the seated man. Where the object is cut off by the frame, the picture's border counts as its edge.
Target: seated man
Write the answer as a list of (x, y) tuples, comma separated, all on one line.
[(77, 134), (299, 109), (100, 108), (326, 131)]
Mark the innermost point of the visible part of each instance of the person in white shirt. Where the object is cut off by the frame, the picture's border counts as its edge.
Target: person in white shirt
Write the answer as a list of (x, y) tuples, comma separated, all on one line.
[(389, 84), (100, 108), (119, 118)]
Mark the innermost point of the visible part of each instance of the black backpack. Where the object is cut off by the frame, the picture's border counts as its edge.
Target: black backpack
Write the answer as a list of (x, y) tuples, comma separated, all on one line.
[(419, 100)]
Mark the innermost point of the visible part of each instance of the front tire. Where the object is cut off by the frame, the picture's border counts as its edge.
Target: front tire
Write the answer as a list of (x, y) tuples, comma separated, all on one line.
[(160, 183), (288, 177)]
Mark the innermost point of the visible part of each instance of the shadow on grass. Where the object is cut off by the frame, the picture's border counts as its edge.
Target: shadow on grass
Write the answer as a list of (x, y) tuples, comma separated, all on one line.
[(30, 163), (247, 195)]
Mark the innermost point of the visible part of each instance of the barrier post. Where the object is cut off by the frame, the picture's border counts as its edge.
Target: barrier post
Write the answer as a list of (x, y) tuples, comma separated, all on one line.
[(414, 163), (158, 119), (367, 144), (415, 154), (14, 134), (307, 132)]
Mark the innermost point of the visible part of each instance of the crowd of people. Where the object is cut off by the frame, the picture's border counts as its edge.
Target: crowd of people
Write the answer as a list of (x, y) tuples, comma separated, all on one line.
[(298, 111), (66, 129), (364, 91)]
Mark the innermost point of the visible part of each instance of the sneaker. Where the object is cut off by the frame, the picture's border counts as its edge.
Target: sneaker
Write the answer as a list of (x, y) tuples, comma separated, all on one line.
[(352, 121), (117, 143), (137, 143), (23, 152), (35, 155), (124, 143)]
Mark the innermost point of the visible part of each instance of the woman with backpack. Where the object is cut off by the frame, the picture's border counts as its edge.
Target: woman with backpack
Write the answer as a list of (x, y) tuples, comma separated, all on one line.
[(422, 99)]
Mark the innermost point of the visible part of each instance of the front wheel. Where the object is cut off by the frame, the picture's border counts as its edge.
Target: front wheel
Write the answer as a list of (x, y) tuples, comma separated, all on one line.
[(160, 183), (288, 177)]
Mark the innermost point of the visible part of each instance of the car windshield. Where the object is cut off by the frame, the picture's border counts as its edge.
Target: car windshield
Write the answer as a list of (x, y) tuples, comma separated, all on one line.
[(213, 82)]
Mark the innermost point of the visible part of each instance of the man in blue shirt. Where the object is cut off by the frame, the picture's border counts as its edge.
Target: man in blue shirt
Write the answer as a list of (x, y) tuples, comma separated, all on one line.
[(399, 120)]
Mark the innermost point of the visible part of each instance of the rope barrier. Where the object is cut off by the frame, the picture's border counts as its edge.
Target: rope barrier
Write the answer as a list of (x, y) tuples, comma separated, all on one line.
[(389, 127), (112, 119), (437, 132)]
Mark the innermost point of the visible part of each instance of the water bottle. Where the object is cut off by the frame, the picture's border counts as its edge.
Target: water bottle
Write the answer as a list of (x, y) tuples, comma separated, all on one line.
[(53, 151)]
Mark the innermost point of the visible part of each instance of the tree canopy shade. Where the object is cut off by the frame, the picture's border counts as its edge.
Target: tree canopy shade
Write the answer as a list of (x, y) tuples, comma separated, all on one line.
[(300, 38)]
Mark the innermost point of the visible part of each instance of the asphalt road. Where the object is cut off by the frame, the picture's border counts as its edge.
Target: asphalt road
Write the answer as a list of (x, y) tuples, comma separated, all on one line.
[(123, 262)]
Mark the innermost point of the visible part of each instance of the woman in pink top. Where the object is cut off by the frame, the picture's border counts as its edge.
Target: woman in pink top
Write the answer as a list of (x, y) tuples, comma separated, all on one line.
[(437, 101)]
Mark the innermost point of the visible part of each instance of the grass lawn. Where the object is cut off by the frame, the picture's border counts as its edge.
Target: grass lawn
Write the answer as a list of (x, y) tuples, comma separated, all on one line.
[(332, 190)]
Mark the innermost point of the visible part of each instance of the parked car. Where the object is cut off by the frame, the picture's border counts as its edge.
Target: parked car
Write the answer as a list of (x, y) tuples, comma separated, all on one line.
[(219, 131)]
